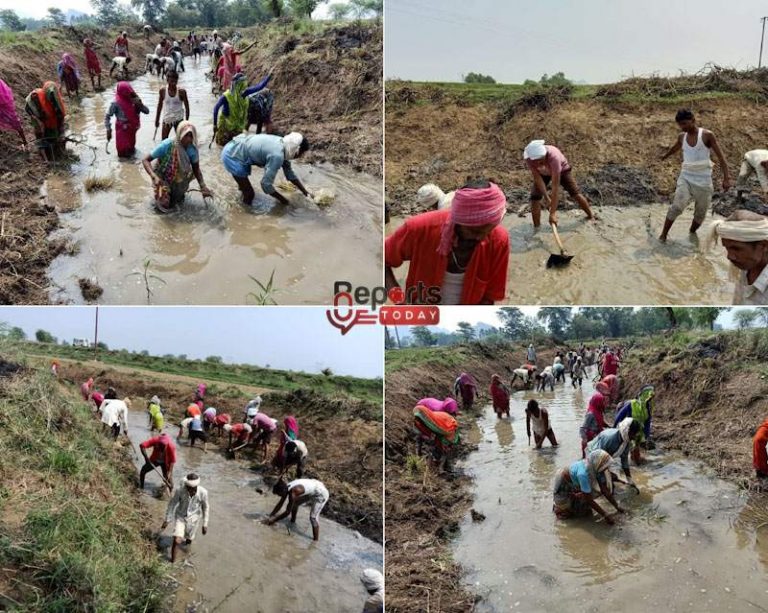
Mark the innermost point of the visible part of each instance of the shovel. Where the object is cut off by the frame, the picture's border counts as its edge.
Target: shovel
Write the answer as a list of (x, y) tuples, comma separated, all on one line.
[(558, 260), (154, 136)]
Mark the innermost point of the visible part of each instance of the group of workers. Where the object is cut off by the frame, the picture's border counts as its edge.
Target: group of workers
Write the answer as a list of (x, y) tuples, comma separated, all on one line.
[(175, 161), (458, 253), (577, 485), (189, 508)]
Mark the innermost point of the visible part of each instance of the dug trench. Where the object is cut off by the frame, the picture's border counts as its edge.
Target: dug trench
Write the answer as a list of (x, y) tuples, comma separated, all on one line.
[(327, 83), (242, 563), (711, 395), (614, 137)]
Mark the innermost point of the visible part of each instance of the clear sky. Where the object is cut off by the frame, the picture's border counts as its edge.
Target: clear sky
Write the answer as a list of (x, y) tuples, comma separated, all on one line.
[(451, 316), (39, 8), (296, 338), (597, 41)]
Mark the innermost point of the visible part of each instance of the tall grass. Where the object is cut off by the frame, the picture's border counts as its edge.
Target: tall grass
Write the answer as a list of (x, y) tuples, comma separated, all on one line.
[(237, 374), (76, 541)]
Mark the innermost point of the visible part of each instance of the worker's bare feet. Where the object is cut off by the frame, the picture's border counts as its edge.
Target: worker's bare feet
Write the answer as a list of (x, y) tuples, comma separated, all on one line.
[(663, 238)]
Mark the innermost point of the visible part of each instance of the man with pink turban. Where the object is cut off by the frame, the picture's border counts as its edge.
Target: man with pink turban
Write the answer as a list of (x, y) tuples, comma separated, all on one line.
[(457, 255)]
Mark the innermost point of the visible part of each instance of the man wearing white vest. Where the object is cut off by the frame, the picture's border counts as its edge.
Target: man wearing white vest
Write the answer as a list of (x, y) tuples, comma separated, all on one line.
[(695, 180)]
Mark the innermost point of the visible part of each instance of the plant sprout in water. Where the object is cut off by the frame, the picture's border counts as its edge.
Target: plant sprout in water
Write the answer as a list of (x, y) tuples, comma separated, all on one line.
[(264, 295)]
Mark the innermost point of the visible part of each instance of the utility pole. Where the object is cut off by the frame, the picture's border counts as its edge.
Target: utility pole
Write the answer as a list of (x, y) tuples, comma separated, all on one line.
[(762, 38), (96, 335)]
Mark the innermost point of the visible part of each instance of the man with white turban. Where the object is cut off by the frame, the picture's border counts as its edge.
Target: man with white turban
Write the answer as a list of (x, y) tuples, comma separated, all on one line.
[(373, 581), (457, 255), (548, 165), (267, 151), (745, 237), (187, 507), (431, 197)]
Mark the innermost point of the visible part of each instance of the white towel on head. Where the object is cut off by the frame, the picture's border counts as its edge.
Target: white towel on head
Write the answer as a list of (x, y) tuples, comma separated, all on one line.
[(535, 150), (291, 144), (743, 231)]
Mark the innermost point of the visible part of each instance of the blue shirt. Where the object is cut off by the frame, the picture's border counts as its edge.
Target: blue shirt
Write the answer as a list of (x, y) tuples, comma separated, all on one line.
[(196, 424), (626, 411), (265, 151), (580, 476), (165, 146)]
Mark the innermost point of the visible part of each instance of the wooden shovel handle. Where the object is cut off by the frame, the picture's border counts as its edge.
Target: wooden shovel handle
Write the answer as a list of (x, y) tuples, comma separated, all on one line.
[(557, 239)]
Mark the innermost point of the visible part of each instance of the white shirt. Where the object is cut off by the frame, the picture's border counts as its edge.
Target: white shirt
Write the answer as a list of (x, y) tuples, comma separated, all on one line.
[(755, 157), (182, 506), (757, 293), (112, 411), (312, 487)]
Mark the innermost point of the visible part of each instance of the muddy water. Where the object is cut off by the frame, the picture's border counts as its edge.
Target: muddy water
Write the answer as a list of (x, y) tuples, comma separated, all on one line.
[(243, 565), (204, 254), (677, 551), (619, 260)]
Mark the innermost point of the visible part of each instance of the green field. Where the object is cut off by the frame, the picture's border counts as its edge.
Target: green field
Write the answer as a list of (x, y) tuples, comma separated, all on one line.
[(369, 390)]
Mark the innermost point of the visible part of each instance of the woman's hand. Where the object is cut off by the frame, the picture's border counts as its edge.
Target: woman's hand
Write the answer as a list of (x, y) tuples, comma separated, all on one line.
[(206, 192)]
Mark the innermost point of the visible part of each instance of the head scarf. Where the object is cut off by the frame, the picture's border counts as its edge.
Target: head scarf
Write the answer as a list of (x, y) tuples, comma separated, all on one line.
[(430, 195), (229, 57), (623, 428), (291, 427), (191, 482), (450, 406), (747, 231), (598, 462), (472, 207), (372, 580), (68, 61), (238, 83), (597, 403), (645, 394), (291, 144), (124, 99), (535, 150), (155, 399), (467, 379)]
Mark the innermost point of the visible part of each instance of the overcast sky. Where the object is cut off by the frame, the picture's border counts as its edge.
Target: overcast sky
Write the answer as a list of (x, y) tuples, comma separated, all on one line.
[(598, 41), (39, 8), (450, 316), (296, 338)]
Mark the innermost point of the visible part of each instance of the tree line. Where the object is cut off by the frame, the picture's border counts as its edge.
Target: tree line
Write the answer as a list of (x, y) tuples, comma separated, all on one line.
[(579, 324), (192, 13)]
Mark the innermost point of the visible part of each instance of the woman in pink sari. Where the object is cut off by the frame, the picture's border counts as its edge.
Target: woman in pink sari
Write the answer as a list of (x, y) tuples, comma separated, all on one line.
[(85, 388), (500, 396), (441, 406), (229, 62), (69, 75), (466, 387), (9, 120), (594, 420), (125, 108)]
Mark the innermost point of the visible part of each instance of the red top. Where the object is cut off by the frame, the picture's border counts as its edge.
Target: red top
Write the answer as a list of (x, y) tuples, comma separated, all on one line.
[(162, 448), (238, 430), (610, 364), (485, 280), (222, 418)]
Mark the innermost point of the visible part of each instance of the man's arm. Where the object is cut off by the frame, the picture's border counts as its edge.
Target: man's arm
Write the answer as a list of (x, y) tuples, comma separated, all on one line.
[(185, 100), (159, 107), (674, 148), (545, 415), (528, 423), (268, 179), (294, 178), (715, 146), (206, 511), (278, 506), (554, 198)]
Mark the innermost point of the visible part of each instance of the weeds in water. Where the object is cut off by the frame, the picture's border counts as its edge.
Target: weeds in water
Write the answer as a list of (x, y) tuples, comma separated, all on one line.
[(264, 297), (148, 277), (93, 184)]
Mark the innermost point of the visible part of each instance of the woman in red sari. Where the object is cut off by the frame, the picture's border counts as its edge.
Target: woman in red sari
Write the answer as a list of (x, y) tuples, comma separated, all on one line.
[(500, 396), (125, 108)]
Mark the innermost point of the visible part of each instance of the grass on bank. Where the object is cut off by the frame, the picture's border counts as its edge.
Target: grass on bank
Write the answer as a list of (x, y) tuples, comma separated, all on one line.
[(369, 390), (70, 526)]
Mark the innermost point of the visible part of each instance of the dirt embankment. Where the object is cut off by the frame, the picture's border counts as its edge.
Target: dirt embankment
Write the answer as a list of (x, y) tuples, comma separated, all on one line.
[(327, 86), (423, 509), (73, 535), (614, 145), (27, 218), (711, 395), (343, 436)]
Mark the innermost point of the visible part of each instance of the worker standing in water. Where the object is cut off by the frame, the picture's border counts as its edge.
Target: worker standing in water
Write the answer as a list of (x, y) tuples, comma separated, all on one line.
[(695, 180), (187, 508)]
